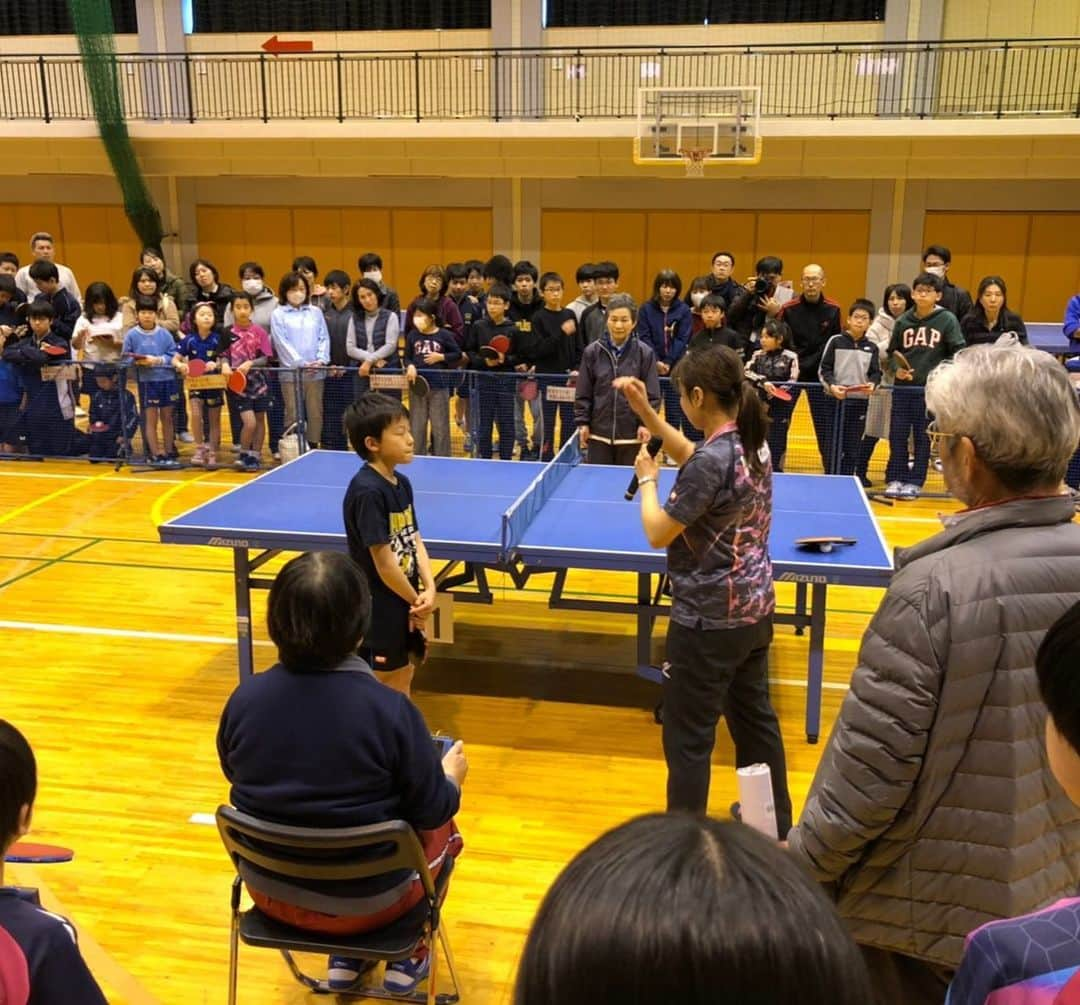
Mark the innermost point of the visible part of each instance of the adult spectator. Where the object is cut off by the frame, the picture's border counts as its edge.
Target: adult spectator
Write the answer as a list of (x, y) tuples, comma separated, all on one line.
[(171, 284), (814, 319), (432, 284), (990, 318), (723, 264), (367, 753), (681, 908), (930, 812), (936, 260), (206, 287), (664, 323), (263, 299), (42, 247), (1071, 325), (145, 282), (370, 265), (593, 326), (755, 303), (1036, 957)]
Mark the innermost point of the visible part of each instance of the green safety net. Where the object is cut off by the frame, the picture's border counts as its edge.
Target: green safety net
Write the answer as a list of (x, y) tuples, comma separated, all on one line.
[(93, 23)]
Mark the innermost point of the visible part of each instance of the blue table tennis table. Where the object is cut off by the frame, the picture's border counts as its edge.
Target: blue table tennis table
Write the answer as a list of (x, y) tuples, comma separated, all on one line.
[(528, 519), (1050, 337)]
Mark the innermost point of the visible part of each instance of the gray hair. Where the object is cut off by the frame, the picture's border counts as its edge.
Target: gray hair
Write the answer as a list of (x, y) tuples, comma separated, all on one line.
[(1017, 405), (618, 300)]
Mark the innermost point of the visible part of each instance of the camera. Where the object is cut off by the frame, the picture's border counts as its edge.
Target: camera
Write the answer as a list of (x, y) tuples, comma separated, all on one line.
[(761, 287)]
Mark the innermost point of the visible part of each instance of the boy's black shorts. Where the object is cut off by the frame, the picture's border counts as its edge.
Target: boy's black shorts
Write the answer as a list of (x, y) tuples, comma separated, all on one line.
[(394, 646), (9, 422)]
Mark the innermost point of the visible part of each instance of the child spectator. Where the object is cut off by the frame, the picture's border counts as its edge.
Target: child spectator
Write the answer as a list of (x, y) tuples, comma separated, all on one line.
[(98, 334), (925, 336), (498, 269), (206, 288), (45, 425), (850, 371), (524, 304), (249, 348), (471, 310), (585, 277), (610, 431), (553, 349), (171, 285), (146, 283), (778, 363), (114, 419), (340, 326), (476, 279), (896, 300), (700, 288), (713, 330), (302, 345), (429, 347), (375, 334), (495, 394), (990, 318), (433, 284), (66, 308), (384, 539), (208, 344), (12, 326), (371, 266), (665, 324), (593, 325), (39, 949), (152, 348), (9, 266)]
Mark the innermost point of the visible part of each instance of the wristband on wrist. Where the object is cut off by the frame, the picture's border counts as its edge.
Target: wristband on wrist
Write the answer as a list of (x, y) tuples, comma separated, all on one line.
[(646, 480)]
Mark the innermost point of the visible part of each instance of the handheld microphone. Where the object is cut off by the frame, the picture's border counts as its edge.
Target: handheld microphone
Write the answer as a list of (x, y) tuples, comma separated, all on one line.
[(654, 447)]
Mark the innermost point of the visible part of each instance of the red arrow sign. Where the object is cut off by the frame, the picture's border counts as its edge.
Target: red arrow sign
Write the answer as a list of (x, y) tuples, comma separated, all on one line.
[(275, 45)]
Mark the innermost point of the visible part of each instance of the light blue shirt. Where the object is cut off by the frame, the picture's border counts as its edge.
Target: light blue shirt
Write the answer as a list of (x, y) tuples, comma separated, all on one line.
[(157, 342), (299, 335)]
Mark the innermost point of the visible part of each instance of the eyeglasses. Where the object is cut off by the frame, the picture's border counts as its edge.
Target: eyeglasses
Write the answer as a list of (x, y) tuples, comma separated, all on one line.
[(935, 436), (812, 280)]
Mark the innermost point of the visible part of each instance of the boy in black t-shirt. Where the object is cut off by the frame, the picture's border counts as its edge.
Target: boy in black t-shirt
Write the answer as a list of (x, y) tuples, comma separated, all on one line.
[(555, 349), (384, 539), (39, 955)]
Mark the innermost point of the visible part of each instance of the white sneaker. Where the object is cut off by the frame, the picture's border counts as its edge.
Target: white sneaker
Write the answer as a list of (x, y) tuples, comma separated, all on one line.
[(186, 438), (910, 491), (894, 490)]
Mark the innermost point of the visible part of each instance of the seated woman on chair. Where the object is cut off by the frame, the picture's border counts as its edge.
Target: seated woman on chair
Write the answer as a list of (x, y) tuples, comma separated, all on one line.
[(317, 741)]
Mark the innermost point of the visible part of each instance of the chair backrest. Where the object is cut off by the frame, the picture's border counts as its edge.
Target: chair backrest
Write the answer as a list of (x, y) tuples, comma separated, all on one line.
[(336, 854)]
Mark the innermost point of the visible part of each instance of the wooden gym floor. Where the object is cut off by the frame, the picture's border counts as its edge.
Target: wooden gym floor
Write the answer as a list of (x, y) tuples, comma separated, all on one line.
[(120, 657)]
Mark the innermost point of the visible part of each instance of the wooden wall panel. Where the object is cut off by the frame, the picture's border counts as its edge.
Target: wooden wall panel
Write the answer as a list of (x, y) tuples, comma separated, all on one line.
[(1051, 267), (840, 244), (318, 233), (566, 241), (364, 230)]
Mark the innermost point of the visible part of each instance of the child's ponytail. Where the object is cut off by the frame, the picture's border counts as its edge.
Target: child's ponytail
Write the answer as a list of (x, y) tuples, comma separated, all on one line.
[(753, 425)]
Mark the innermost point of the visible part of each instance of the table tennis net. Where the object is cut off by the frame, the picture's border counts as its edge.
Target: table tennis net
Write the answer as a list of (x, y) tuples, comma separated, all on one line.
[(524, 509)]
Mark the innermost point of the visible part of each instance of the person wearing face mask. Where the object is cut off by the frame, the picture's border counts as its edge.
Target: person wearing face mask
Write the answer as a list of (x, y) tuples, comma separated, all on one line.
[(253, 282), (301, 342), (370, 265), (700, 287), (936, 260)]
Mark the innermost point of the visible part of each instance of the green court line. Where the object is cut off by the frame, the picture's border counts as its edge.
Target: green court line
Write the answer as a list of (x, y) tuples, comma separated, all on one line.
[(46, 563)]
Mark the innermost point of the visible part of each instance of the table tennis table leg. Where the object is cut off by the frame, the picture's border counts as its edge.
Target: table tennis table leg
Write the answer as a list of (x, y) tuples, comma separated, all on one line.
[(816, 662), (800, 605), (242, 586), (645, 620)]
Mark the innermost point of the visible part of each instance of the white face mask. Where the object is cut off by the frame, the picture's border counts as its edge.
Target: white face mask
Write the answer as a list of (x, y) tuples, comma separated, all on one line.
[(375, 275), (295, 297), (253, 286), (936, 270), (697, 297)]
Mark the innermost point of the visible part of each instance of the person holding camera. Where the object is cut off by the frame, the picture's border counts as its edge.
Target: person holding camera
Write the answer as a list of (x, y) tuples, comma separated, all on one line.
[(757, 303)]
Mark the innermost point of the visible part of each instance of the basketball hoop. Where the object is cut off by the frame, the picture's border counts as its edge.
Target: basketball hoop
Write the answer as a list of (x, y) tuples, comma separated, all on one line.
[(694, 159)]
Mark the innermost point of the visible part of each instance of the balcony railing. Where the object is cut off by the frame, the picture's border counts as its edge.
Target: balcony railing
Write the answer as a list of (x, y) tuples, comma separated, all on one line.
[(993, 79)]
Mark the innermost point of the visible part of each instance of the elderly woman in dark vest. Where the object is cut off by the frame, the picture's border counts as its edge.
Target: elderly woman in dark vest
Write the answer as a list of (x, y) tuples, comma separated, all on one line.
[(317, 741), (933, 810)]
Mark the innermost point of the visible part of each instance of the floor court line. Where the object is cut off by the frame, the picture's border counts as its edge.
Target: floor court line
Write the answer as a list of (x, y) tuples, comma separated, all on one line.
[(222, 640), (50, 496)]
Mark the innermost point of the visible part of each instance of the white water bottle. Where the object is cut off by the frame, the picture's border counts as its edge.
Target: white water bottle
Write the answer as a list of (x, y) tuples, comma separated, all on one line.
[(756, 798)]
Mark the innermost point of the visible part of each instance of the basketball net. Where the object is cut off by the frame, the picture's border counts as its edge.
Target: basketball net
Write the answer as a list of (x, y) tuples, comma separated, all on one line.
[(694, 159)]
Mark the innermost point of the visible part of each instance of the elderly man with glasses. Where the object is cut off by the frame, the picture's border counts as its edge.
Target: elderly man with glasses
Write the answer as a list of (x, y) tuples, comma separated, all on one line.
[(933, 810)]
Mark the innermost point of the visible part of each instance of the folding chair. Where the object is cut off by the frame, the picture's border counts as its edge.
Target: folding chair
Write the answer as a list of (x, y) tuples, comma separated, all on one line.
[(340, 855)]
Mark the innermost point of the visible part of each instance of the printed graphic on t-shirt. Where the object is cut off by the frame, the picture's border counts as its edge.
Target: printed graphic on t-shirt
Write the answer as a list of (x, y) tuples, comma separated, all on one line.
[(403, 541), (923, 337)]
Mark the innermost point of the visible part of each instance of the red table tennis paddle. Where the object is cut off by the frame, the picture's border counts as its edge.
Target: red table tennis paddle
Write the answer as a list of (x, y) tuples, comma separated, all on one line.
[(53, 350), (196, 367), (781, 393), (99, 427), (822, 544), (498, 346), (528, 389), (31, 852), (237, 381)]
